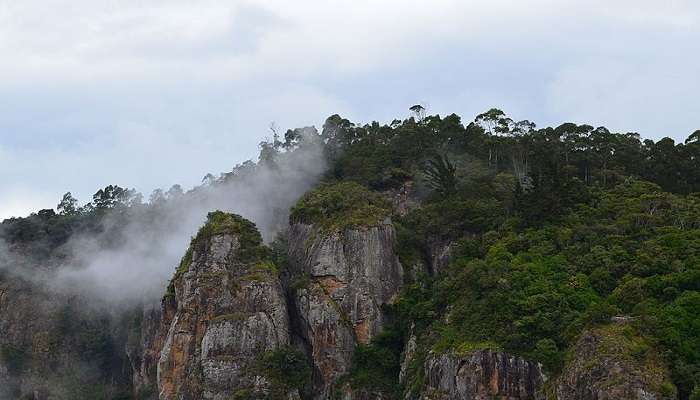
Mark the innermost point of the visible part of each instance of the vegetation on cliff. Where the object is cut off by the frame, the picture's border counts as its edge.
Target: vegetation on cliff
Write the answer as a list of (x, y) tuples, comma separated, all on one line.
[(286, 368), (251, 244), (340, 205), (549, 233), (252, 249)]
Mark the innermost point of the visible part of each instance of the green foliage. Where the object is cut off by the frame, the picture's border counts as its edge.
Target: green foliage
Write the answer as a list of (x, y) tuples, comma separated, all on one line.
[(339, 206), (185, 261), (631, 251), (251, 250), (554, 230), (548, 354), (15, 358), (90, 336), (440, 175), (695, 394), (286, 368), (109, 197), (376, 366), (68, 205), (262, 271), (220, 223)]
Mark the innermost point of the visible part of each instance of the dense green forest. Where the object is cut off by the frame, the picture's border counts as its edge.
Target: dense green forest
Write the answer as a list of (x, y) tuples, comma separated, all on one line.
[(550, 231), (554, 230)]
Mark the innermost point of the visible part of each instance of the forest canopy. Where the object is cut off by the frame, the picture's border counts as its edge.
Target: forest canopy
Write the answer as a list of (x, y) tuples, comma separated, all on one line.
[(551, 230)]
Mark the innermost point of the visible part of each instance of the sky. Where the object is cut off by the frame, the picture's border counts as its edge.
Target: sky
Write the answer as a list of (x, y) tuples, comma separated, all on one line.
[(149, 93)]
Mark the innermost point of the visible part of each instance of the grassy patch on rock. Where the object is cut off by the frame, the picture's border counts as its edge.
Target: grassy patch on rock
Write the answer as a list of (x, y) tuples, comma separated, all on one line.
[(339, 206), (251, 250), (286, 368)]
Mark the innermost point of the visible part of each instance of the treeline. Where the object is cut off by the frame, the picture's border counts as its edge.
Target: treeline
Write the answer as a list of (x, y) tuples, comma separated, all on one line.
[(551, 232), (538, 157), (548, 166)]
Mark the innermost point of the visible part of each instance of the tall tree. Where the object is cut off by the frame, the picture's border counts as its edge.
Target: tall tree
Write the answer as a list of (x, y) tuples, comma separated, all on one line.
[(440, 175), (68, 205)]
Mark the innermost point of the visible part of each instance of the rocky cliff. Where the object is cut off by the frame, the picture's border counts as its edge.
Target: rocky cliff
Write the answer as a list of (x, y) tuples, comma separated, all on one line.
[(25, 338), (53, 345), (147, 337), (481, 375), (614, 362), (227, 306), (341, 280), (232, 325), (229, 310)]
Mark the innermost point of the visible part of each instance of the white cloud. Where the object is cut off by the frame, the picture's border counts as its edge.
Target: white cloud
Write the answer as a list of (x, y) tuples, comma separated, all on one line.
[(150, 93), (20, 201), (67, 41)]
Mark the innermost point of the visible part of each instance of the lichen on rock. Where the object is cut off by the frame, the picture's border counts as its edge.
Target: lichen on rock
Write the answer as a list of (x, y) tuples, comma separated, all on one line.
[(230, 308), (350, 275), (614, 362), (481, 375)]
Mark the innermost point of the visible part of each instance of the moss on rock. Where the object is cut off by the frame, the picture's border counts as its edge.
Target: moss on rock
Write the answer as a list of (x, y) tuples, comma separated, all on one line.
[(251, 248), (340, 205)]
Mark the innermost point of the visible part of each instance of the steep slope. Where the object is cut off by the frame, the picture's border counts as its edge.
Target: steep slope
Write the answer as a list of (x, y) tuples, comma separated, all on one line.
[(55, 346), (148, 333), (229, 310), (342, 276), (519, 248), (481, 375), (344, 279), (614, 362)]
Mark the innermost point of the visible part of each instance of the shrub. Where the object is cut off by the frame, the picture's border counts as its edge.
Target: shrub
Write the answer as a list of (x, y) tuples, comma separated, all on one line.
[(15, 358), (251, 250), (286, 368), (339, 206), (376, 366)]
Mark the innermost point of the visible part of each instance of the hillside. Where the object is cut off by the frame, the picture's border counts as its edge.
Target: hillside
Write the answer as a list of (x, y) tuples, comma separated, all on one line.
[(423, 259)]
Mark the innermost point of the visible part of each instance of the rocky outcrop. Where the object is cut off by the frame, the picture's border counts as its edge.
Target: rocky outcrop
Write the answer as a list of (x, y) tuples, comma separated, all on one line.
[(409, 352), (143, 347), (25, 345), (54, 345), (614, 362), (341, 279), (230, 309), (402, 198), (347, 392), (481, 375), (440, 252)]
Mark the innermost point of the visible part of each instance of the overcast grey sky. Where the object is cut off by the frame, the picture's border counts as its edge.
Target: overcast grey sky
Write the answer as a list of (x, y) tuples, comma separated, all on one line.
[(146, 94)]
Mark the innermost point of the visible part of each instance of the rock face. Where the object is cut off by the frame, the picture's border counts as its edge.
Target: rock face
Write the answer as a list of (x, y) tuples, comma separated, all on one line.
[(613, 363), (440, 252), (25, 327), (402, 199), (481, 375), (340, 281), (144, 345), (230, 309), (408, 354), (48, 339)]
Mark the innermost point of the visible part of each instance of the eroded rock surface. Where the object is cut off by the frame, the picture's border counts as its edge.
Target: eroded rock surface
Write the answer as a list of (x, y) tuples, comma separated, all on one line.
[(481, 375), (230, 309), (340, 282), (614, 363)]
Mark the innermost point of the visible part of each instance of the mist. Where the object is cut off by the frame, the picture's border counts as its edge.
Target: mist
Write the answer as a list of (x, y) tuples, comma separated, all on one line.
[(135, 256)]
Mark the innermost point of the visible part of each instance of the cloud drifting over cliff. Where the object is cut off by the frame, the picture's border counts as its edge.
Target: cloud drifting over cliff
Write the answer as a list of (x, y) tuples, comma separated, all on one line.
[(151, 93), (134, 262)]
